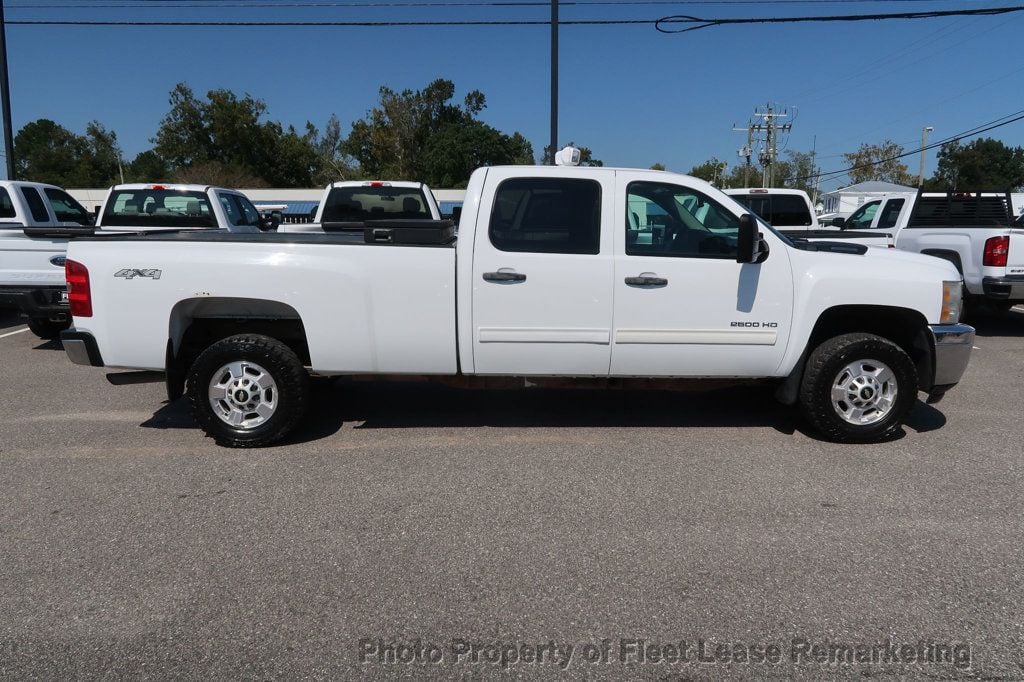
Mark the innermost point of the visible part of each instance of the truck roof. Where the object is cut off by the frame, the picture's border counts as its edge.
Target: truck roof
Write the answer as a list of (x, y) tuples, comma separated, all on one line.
[(169, 186), (26, 183), (376, 183), (765, 190)]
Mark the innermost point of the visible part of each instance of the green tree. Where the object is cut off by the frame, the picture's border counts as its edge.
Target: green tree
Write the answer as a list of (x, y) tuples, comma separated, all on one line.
[(983, 164), (332, 164), (712, 170), (878, 162), (390, 140), (454, 152), (225, 136), (48, 152), (658, 166), (147, 166)]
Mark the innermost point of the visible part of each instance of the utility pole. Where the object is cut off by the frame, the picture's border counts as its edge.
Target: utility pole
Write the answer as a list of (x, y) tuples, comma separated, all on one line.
[(924, 143), (746, 152), (771, 128), (5, 97), (554, 79), (814, 172)]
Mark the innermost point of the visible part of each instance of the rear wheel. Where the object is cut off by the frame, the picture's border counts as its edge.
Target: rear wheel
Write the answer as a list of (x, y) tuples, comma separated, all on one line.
[(858, 388), (47, 329), (248, 390)]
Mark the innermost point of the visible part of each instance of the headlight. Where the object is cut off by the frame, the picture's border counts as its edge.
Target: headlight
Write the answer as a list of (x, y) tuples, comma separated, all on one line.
[(952, 299)]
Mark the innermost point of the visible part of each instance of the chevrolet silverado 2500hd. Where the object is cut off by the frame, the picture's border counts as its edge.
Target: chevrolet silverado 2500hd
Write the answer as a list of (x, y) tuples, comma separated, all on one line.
[(557, 272), (36, 222)]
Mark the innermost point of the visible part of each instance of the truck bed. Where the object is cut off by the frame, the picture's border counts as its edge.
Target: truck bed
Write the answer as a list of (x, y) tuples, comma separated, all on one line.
[(367, 300)]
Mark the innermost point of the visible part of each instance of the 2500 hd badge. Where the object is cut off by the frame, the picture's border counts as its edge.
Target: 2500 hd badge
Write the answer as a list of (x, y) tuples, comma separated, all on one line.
[(755, 325)]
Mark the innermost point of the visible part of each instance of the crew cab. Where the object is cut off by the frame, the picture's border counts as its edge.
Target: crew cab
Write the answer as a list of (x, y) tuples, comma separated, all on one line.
[(561, 271), (349, 204), (38, 220), (790, 212), (977, 233)]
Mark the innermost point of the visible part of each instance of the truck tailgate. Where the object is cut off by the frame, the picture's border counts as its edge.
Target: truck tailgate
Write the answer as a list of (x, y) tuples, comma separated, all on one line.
[(1015, 258), (30, 261)]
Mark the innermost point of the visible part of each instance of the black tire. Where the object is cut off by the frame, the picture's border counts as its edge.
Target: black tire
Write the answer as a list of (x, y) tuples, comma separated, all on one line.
[(47, 329), (278, 360), (823, 369), (1002, 307)]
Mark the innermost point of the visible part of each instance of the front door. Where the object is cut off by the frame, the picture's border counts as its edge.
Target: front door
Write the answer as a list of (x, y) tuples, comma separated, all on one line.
[(683, 306), (542, 275)]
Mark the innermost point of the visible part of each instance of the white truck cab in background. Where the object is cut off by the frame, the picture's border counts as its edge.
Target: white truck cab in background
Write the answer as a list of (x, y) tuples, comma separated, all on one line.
[(784, 209), (349, 204), (38, 220)]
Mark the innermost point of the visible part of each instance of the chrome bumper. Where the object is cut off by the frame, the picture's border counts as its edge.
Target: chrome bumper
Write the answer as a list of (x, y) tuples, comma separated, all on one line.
[(81, 348), (953, 344)]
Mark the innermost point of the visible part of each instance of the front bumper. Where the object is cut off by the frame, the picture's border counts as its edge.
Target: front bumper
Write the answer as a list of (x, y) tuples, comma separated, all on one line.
[(81, 348), (1008, 288), (953, 344), (37, 302)]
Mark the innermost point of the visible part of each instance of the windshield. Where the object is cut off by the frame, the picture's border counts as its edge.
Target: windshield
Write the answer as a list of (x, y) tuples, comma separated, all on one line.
[(158, 208), (359, 204), (781, 210)]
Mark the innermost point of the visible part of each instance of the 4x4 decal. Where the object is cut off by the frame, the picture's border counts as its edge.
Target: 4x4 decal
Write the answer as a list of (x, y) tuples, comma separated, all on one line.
[(132, 273)]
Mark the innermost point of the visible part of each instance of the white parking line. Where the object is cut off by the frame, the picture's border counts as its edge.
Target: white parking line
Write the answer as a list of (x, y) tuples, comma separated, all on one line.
[(4, 336)]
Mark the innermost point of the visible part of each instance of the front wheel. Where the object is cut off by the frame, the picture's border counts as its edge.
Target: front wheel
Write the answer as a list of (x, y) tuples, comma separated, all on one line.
[(248, 391), (858, 388)]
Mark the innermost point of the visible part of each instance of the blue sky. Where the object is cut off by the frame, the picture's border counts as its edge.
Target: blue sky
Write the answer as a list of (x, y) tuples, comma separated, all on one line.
[(633, 95)]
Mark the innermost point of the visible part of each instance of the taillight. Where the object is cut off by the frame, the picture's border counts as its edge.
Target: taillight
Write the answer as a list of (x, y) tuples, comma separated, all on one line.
[(79, 294), (996, 251)]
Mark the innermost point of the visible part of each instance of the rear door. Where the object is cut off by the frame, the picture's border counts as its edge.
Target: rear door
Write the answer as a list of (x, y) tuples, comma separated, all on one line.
[(542, 273)]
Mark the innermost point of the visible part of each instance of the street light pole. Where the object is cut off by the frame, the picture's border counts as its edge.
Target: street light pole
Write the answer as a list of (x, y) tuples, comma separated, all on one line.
[(554, 79), (924, 143), (5, 97)]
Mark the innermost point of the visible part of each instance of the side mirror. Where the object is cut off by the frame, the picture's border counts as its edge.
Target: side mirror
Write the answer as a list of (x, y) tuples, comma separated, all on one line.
[(839, 222), (268, 223), (750, 245)]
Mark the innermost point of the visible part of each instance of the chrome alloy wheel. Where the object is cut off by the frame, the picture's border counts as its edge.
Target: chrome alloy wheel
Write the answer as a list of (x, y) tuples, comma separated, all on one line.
[(243, 394), (864, 392)]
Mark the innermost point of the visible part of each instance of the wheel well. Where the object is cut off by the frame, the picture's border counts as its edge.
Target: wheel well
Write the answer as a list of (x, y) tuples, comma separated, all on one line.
[(195, 324), (907, 328), (945, 254)]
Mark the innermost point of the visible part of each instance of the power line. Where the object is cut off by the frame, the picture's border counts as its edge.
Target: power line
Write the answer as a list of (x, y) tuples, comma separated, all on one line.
[(699, 23), (155, 4), (659, 24), (983, 128)]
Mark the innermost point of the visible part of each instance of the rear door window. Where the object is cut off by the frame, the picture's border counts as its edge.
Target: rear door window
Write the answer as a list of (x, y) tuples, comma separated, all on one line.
[(239, 210), (890, 214), (547, 215), (35, 205), (65, 208), (7, 209)]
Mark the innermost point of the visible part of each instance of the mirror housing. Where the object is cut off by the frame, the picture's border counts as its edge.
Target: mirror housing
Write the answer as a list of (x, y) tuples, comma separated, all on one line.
[(268, 223), (750, 244), (839, 222)]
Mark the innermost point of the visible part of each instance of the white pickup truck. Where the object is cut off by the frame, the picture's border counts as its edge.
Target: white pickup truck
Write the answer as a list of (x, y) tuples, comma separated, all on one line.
[(38, 220), (790, 212), (555, 273), (975, 231), (349, 204)]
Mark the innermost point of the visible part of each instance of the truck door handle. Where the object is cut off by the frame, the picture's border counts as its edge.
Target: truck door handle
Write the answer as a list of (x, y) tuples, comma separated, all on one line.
[(503, 276), (646, 281)]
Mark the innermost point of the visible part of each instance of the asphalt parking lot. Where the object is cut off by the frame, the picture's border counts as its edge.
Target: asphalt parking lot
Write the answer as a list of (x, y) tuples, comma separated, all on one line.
[(416, 518)]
